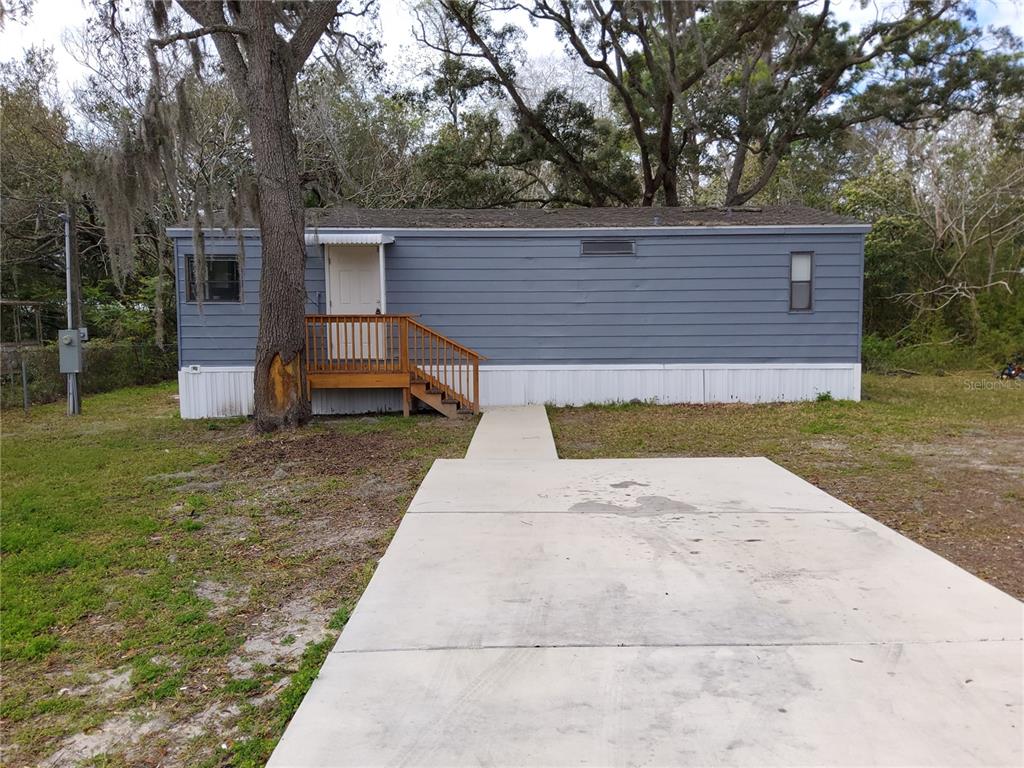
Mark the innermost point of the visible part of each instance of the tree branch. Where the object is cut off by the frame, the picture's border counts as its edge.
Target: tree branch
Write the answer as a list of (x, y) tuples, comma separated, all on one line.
[(195, 34), (312, 27), (209, 14)]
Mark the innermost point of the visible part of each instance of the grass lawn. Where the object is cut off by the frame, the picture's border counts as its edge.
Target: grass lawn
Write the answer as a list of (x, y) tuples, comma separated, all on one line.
[(938, 458), (170, 588)]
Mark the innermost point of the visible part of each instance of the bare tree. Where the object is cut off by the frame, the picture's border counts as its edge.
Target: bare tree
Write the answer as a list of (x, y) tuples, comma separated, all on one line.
[(947, 248), (969, 196), (357, 146)]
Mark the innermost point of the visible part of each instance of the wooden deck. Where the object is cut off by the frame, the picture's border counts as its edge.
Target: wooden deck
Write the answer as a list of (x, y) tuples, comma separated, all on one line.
[(392, 352)]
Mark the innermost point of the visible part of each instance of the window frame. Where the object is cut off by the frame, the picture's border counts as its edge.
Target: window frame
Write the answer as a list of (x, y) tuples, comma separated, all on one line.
[(628, 246), (190, 285), (809, 282)]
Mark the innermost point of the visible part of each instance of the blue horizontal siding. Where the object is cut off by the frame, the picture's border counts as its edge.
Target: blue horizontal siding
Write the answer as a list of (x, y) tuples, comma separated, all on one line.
[(523, 298), (224, 333)]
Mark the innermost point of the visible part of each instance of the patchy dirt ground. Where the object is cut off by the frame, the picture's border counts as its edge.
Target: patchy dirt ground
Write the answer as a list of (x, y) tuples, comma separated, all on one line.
[(962, 497), (225, 585), (939, 459)]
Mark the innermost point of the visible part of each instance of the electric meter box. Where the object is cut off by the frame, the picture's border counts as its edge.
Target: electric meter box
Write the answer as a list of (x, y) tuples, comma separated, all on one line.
[(69, 342)]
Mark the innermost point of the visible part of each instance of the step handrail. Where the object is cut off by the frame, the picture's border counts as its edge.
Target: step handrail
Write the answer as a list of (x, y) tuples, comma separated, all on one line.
[(444, 364), (460, 347)]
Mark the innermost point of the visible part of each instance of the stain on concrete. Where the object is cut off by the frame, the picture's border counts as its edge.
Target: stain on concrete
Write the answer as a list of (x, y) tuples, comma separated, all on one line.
[(644, 506)]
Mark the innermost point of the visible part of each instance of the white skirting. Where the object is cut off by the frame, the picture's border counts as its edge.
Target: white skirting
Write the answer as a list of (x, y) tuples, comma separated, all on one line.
[(206, 392), (210, 392), (217, 391), (669, 383)]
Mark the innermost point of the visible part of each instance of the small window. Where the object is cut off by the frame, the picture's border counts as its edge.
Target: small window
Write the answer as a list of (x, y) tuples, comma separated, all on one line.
[(222, 280), (801, 268), (607, 248)]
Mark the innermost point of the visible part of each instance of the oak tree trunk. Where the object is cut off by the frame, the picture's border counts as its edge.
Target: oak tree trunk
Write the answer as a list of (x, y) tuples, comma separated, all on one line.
[(280, 378)]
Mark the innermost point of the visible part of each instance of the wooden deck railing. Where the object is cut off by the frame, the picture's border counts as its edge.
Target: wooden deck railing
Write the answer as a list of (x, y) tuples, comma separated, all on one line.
[(355, 343), (369, 345)]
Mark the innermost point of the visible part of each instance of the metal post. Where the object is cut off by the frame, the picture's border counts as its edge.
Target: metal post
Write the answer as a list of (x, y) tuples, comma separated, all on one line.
[(383, 284), (67, 266), (24, 381), (21, 357), (74, 402)]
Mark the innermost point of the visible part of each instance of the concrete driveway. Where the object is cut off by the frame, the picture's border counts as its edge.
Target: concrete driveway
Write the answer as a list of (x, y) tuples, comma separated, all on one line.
[(668, 612)]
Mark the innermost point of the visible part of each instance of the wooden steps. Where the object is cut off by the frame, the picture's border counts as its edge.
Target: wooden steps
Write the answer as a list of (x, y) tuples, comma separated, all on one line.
[(435, 399)]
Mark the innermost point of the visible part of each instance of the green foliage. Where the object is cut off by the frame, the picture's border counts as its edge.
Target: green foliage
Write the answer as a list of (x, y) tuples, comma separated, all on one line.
[(118, 317), (925, 345), (599, 144), (45, 165), (883, 355), (895, 248), (765, 79), (107, 365), (455, 82), (38, 154), (465, 165), (477, 162), (1001, 318)]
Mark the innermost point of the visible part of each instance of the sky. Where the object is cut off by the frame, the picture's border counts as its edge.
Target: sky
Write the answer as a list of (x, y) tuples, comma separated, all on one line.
[(51, 18)]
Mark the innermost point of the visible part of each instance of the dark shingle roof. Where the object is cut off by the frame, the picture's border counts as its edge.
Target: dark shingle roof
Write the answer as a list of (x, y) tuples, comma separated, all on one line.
[(570, 218)]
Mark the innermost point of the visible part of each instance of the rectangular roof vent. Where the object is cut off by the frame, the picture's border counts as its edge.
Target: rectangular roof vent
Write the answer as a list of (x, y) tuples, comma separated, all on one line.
[(606, 247)]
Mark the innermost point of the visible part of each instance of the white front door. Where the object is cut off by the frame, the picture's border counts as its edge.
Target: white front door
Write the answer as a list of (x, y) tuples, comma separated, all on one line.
[(353, 280), (353, 288)]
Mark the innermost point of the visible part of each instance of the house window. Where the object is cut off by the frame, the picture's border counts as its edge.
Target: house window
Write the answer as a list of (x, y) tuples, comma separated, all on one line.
[(222, 281), (801, 268), (606, 247)]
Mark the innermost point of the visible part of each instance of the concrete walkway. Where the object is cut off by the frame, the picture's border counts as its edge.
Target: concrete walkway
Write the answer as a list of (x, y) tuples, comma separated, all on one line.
[(513, 433), (664, 612)]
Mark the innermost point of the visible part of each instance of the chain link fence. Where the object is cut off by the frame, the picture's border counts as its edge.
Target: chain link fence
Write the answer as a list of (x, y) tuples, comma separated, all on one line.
[(106, 365)]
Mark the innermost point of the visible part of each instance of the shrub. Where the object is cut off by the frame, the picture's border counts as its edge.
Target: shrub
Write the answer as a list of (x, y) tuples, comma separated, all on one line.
[(886, 356), (106, 365)]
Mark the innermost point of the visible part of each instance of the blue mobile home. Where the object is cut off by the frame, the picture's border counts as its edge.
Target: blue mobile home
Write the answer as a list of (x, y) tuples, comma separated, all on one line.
[(570, 306)]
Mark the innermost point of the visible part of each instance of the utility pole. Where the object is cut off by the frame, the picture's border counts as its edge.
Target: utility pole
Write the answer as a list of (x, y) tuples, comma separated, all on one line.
[(71, 337), (77, 320)]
